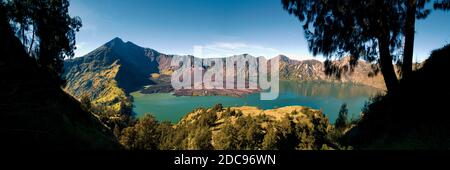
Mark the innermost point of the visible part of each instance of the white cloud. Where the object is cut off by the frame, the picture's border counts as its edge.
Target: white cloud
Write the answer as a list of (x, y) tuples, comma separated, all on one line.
[(305, 56), (80, 45), (81, 49), (89, 28), (226, 49), (232, 46)]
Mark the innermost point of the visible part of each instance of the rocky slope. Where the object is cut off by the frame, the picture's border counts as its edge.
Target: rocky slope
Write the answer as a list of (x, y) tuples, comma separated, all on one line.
[(313, 70), (110, 72)]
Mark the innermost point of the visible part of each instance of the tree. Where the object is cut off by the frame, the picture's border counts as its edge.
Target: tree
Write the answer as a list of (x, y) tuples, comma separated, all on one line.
[(321, 130), (271, 138), (342, 120), (306, 139), (249, 133), (415, 9), (226, 138), (200, 139), (207, 118), (128, 138), (442, 4), (166, 132), (218, 107), (288, 139), (86, 103), (51, 28), (144, 135), (371, 29), (116, 131)]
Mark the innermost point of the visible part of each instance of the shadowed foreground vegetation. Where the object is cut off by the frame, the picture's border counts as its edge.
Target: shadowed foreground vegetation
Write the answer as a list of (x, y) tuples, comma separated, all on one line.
[(35, 113), (415, 116), (413, 113)]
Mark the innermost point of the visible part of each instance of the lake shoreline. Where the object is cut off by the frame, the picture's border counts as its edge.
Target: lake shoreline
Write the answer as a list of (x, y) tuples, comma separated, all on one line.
[(163, 85), (322, 96)]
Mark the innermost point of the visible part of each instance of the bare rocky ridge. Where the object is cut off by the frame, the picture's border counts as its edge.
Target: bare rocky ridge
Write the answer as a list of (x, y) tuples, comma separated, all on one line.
[(313, 70)]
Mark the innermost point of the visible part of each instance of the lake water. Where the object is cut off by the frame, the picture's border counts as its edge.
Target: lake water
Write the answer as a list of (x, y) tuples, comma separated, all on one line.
[(324, 96)]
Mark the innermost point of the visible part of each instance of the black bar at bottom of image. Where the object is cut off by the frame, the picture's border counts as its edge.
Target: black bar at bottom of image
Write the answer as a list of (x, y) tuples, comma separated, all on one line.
[(225, 159)]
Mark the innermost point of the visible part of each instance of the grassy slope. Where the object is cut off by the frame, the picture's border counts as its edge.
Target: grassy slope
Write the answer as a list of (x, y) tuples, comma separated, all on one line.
[(100, 85)]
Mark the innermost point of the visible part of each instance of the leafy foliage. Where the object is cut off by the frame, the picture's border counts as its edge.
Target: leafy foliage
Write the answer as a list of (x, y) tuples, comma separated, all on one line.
[(145, 134), (374, 30), (342, 120), (45, 118), (51, 27), (230, 129), (412, 117)]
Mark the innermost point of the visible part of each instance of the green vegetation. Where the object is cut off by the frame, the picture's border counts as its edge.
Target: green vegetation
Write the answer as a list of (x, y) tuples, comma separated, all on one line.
[(411, 114), (144, 134), (51, 27), (373, 30), (342, 120), (240, 128), (412, 117), (113, 119), (100, 88), (37, 114)]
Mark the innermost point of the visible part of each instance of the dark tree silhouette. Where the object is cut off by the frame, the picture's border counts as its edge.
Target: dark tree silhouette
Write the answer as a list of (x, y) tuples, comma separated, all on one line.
[(415, 9), (45, 29), (442, 4), (412, 7), (369, 29), (342, 120)]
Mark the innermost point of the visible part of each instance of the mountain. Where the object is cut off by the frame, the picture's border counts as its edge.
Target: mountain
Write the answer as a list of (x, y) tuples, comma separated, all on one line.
[(36, 114), (314, 70), (109, 73), (113, 70)]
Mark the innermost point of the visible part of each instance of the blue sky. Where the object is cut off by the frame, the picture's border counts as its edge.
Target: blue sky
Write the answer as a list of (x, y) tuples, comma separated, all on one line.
[(216, 28)]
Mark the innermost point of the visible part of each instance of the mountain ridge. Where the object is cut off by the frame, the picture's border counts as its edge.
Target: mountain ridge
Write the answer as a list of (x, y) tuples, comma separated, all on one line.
[(109, 73)]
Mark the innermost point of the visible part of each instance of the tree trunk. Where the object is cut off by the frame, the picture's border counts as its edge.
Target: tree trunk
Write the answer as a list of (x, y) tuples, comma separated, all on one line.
[(30, 51), (387, 68), (409, 38)]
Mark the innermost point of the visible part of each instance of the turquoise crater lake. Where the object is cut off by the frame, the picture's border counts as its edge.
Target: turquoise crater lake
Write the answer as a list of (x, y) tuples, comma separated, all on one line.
[(327, 97)]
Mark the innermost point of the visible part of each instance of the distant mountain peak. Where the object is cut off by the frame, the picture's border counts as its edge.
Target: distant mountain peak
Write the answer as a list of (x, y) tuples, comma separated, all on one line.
[(115, 42), (283, 58), (117, 39)]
